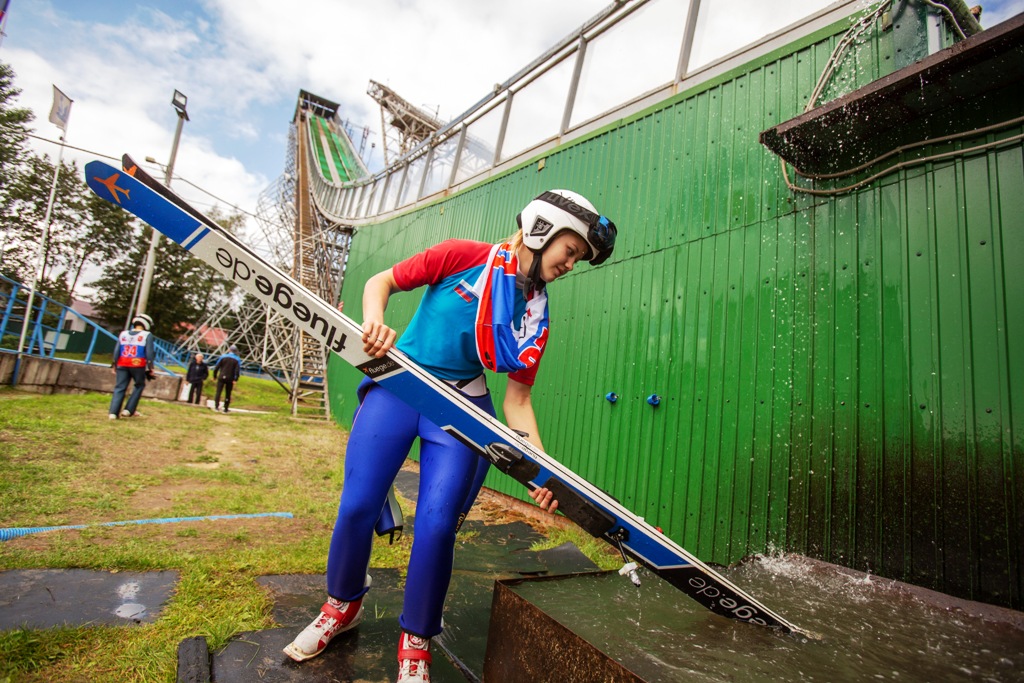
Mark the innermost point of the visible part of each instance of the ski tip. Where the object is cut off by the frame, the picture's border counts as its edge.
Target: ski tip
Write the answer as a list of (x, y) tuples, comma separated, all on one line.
[(95, 166), (99, 175)]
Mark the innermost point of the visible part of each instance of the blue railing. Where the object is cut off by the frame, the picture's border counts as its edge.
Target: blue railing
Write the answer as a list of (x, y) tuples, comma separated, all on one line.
[(171, 354), (47, 330)]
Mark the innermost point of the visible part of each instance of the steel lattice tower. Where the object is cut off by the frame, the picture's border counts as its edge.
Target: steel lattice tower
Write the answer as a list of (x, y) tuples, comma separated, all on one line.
[(300, 240)]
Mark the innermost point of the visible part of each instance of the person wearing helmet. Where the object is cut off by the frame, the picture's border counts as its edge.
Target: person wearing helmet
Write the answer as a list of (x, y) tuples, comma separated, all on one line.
[(485, 306), (133, 361)]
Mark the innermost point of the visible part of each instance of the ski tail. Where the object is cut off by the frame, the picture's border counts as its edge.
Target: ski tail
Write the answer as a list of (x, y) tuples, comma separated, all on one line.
[(137, 172)]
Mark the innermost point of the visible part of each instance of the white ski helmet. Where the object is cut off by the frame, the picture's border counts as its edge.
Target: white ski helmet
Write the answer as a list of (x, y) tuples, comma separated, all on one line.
[(558, 210), (144, 320)]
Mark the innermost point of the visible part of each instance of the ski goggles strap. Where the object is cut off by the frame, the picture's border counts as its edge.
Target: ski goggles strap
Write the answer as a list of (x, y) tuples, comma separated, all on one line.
[(601, 231)]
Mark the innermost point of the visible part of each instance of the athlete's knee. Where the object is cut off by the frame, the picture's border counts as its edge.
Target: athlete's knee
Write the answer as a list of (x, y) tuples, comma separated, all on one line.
[(358, 512), (436, 528)]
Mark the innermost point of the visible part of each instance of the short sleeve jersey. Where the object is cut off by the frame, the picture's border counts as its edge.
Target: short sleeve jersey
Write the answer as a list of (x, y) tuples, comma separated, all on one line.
[(442, 335)]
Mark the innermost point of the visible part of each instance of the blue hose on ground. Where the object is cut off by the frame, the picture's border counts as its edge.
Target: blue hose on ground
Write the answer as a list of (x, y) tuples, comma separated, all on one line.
[(15, 532)]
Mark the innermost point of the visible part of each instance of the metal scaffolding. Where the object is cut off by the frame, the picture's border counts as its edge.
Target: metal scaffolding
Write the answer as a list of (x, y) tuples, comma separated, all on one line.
[(403, 125), (312, 248)]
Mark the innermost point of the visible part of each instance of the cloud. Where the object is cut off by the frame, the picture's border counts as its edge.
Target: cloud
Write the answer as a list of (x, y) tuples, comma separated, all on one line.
[(447, 53), (998, 11), (121, 77), (242, 64)]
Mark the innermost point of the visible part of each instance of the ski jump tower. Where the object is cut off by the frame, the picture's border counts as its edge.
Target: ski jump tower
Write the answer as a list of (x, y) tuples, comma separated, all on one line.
[(308, 242), (321, 150), (320, 144)]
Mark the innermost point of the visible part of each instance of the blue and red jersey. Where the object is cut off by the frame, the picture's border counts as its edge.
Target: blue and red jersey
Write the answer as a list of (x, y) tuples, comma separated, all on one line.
[(442, 335), (132, 347)]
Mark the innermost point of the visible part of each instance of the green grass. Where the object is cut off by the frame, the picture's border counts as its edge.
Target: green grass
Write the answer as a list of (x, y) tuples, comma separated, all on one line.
[(63, 462), (599, 552), (94, 359), (252, 393)]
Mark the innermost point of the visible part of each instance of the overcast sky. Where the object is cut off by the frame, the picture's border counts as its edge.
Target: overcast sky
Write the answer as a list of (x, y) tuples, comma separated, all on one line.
[(242, 63)]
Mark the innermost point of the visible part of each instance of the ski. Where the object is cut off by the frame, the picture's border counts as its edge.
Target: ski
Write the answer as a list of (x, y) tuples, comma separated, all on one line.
[(583, 503)]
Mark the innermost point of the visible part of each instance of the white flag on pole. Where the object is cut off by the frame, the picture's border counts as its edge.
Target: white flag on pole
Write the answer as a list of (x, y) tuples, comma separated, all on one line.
[(60, 112)]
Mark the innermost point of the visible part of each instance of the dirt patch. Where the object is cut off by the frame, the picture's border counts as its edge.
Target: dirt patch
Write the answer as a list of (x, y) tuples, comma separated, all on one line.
[(155, 499)]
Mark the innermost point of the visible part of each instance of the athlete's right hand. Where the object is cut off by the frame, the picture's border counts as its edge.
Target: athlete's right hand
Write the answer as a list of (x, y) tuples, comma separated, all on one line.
[(378, 338)]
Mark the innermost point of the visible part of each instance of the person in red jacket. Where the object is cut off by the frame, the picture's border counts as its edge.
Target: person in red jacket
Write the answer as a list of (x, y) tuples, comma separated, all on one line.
[(133, 361)]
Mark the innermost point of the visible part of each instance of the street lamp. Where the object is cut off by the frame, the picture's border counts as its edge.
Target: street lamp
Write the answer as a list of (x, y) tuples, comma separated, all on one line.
[(179, 102)]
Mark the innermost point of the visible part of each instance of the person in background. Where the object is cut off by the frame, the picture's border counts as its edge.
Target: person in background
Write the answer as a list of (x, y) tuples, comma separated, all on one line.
[(133, 361), (197, 373), (485, 306), (229, 367)]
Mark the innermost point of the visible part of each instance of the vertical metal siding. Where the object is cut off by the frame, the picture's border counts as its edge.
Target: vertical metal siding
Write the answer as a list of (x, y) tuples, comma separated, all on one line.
[(840, 377)]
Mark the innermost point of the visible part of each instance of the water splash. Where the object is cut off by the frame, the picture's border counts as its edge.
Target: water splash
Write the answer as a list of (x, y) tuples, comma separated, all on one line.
[(870, 627)]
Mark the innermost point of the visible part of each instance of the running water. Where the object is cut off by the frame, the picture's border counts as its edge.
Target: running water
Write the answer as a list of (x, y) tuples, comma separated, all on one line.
[(870, 628)]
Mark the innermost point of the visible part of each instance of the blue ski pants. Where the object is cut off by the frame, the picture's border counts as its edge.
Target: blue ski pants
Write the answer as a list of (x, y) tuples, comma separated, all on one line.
[(450, 478)]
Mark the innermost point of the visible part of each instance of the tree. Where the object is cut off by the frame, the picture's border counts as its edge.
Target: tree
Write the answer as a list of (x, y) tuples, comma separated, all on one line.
[(13, 126), (107, 232), (13, 136), (23, 228), (184, 289), (25, 182)]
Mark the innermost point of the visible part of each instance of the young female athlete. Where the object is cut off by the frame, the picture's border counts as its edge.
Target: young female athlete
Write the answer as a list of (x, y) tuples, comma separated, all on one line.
[(485, 307)]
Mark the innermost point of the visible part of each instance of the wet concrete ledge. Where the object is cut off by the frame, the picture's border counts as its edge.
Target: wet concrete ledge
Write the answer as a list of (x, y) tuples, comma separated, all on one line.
[(526, 644)]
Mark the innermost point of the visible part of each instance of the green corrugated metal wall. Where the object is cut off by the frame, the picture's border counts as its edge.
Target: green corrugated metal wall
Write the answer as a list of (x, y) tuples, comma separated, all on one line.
[(840, 377)]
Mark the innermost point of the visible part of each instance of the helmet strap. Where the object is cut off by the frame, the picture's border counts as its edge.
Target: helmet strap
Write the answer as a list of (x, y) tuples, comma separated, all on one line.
[(533, 279)]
